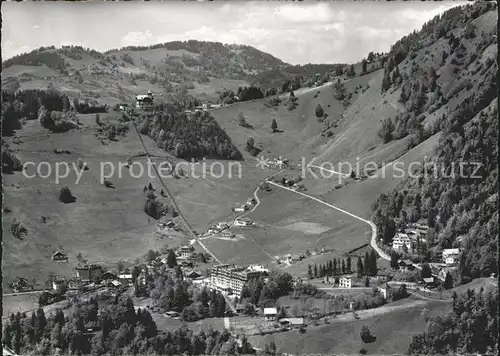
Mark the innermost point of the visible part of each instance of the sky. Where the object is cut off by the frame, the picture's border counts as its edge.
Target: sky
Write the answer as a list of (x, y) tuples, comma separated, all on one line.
[(295, 32)]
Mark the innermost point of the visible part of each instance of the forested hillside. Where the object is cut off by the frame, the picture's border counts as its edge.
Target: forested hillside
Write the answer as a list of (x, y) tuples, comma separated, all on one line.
[(471, 327), (451, 91), (196, 136)]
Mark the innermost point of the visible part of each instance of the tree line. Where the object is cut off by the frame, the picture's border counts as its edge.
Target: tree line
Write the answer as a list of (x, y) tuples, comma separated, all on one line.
[(114, 329), (340, 266)]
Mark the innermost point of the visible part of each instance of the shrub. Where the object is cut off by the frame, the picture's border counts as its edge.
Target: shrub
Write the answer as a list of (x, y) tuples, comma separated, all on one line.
[(366, 335), (108, 184), (242, 122), (18, 229), (274, 125), (152, 206), (319, 111), (65, 195)]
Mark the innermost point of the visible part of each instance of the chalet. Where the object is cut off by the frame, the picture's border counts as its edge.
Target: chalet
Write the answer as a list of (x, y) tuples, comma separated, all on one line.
[(400, 240), (270, 314), (239, 209), (429, 282), (345, 282), (193, 275), (89, 273), (59, 256), (123, 107), (451, 256), (406, 265), (21, 285)]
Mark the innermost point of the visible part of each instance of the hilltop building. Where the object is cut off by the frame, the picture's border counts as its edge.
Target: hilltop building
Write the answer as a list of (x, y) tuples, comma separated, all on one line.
[(59, 256), (142, 101)]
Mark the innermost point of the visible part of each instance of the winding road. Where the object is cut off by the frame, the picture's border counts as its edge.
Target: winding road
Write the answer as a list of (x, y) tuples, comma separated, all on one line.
[(373, 240)]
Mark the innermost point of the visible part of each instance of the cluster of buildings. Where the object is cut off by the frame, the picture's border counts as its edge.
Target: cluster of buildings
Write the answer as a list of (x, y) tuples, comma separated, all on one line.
[(246, 206), (221, 228), (408, 239), (290, 258), (230, 279)]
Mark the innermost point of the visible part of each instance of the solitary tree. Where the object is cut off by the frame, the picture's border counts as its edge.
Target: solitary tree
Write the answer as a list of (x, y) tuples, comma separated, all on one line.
[(319, 111), (394, 260), (274, 125), (448, 281), (65, 195), (426, 271), (171, 259), (360, 267), (365, 334)]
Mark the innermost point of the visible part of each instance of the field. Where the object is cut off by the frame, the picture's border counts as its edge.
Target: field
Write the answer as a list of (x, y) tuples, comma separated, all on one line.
[(103, 224), (289, 223), (392, 327)]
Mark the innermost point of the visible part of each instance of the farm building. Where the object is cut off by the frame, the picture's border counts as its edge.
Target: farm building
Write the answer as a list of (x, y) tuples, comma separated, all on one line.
[(292, 322), (243, 222), (59, 256), (270, 314)]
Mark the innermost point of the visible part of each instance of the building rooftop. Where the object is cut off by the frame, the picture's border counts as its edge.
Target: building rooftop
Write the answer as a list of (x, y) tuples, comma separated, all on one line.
[(270, 311)]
